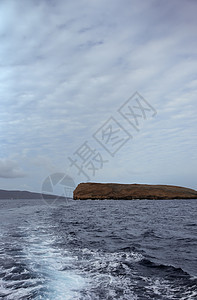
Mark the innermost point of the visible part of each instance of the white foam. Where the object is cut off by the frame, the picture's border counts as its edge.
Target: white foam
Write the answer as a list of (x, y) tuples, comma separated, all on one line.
[(50, 263), (56, 276)]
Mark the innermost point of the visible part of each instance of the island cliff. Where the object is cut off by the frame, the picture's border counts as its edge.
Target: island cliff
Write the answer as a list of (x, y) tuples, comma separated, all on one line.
[(92, 191)]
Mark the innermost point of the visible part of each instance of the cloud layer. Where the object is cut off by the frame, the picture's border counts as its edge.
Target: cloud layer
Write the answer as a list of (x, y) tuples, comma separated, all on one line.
[(10, 169), (66, 67)]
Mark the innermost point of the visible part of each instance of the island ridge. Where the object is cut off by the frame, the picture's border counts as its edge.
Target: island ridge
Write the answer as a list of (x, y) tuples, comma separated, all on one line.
[(91, 190)]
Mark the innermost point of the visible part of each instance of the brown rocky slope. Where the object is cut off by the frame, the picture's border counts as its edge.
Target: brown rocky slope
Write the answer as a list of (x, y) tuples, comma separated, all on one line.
[(92, 190)]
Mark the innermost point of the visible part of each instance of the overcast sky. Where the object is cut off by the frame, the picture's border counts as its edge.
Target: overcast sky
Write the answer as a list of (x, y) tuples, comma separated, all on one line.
[(67, 69)]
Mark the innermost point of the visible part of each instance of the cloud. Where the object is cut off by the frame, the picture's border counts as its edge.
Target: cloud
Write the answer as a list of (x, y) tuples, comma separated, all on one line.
[(10, 169), (66, 67)]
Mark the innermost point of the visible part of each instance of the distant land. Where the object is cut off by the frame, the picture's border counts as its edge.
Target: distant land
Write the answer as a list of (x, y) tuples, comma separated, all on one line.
[(115, 191), (4, 194)]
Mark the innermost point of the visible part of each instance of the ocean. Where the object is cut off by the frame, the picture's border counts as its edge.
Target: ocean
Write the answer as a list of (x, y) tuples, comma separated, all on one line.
[(110, 249)]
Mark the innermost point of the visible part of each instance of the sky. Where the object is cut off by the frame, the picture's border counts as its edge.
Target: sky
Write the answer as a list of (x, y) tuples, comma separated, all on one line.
[(97, 90)]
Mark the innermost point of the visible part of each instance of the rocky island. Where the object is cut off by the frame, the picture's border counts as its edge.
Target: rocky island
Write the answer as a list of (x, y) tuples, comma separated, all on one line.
[(116, 191)]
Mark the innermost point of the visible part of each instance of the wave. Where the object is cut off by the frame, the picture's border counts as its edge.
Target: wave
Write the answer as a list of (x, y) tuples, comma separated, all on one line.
[(57, 255), (130, 275)]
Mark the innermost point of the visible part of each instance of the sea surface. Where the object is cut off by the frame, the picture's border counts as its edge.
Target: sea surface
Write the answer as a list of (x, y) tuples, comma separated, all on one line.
[(77, 250)]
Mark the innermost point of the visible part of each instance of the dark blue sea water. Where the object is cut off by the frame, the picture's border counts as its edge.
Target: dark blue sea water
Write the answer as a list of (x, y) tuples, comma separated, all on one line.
[(137, 249)]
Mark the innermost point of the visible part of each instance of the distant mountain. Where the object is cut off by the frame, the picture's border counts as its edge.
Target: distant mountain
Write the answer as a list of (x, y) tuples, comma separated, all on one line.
[(91, 190), (4, 194)]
